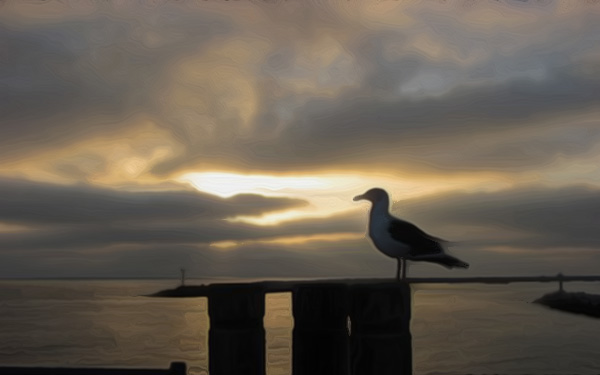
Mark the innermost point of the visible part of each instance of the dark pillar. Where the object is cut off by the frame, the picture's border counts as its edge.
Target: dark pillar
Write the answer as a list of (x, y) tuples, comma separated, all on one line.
[(380, 341), (178, 368), (236, 339), (320, 337)]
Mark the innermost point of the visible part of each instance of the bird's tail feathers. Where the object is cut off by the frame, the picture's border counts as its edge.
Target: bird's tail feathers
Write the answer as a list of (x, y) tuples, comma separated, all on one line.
[(452, 262), (448, 243), (447, 261)]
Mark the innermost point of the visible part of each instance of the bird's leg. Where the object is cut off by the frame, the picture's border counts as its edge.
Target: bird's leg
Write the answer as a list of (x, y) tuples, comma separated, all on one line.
[(404, 262), (399, 273)]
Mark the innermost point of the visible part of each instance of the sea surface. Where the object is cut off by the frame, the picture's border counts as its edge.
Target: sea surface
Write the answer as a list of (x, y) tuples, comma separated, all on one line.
[(456, 329)]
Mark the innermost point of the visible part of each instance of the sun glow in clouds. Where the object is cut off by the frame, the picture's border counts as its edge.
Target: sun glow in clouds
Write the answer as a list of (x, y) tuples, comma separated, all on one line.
[(291, 240), (229, 184), (327, 193)]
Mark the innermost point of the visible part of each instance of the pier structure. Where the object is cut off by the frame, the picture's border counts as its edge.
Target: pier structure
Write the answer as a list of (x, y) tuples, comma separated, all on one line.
[(341, 327)]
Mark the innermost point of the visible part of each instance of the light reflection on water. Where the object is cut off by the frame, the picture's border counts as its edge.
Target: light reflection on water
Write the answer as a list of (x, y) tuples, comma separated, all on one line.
[(455, 329)]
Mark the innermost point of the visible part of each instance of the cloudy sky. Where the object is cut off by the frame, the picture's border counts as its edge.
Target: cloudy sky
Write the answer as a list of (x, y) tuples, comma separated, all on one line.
[(229, 138)]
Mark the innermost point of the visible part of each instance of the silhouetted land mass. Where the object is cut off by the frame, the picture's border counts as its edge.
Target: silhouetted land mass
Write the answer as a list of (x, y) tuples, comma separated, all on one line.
[(579, 302)]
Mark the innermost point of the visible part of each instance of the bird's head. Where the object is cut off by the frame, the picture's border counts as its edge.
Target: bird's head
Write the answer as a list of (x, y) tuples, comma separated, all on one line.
[(373, 195)]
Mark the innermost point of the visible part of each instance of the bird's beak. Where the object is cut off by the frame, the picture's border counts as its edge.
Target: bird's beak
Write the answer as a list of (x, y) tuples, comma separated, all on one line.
[(358, 198)]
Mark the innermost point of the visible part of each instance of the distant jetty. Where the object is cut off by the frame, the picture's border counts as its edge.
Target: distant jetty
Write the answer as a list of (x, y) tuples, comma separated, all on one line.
[(574, 302), (182, 291)]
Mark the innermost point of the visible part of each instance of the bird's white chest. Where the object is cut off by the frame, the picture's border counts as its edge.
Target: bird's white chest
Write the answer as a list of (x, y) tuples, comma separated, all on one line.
[(379, 232)]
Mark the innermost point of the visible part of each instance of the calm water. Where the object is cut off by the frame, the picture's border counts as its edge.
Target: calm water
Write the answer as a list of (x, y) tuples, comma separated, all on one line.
[(456, 329)]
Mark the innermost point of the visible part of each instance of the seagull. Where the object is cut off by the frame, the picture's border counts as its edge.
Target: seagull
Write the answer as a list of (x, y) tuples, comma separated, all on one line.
[(400, 239)]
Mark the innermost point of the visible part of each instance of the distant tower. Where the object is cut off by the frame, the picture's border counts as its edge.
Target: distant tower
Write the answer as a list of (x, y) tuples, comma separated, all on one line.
[(182, 276), (560, 282)]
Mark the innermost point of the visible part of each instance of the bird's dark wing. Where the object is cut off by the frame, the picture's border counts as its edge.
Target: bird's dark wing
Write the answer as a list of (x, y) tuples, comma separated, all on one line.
[(420, 242)]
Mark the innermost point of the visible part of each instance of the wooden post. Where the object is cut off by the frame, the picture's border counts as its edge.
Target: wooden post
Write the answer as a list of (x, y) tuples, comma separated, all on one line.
[(178, 368), (320, 337), (380, 341), (237, 335)]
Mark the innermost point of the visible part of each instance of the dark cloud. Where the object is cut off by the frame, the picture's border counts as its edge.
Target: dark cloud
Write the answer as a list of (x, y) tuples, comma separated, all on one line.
[(30, 203), (63, 82), (545, 217), (537, 149), (182, 229), (330, 130), (44, 89), (523, 219), (85, 217)]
